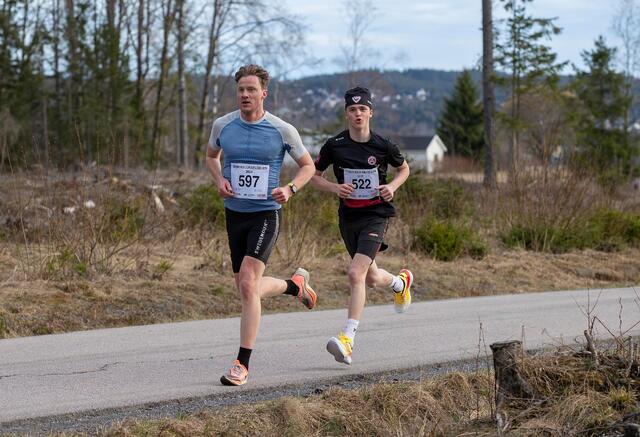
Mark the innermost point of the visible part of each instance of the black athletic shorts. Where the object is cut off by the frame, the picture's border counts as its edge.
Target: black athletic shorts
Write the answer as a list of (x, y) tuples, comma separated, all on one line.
[(252, 234), (364, 235)]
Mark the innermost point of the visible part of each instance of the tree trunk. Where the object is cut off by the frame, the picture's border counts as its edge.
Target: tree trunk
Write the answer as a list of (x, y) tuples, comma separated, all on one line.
[(509, 383), (183, 139), (168, 17), (56, 63), (74, 84), (219, 12), (488, 96)]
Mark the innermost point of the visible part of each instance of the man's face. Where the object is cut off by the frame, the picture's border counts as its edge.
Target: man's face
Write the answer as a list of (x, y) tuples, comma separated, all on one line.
[(250, 94), (358, 116)]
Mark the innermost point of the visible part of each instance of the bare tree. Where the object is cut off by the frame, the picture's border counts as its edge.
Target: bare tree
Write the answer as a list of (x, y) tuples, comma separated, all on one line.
[(221, 9), (488, 96), (361, 15), (626, 26), (242, 31), (547, 122), (183, 139), (168, 17)]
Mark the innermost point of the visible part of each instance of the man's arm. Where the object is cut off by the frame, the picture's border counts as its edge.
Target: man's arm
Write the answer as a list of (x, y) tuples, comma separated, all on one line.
[(215, 168), (304, 173), (402, 173)]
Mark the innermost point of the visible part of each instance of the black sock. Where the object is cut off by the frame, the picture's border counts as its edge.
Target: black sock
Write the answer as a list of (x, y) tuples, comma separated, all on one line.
[(292, 288), (243, 356)]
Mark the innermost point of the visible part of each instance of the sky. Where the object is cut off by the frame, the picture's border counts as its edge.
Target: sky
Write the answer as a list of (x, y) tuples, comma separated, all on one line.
[(442, 34)]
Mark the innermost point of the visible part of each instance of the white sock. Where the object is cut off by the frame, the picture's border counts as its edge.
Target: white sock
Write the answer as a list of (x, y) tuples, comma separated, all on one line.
[(350, 328), (397, 284)]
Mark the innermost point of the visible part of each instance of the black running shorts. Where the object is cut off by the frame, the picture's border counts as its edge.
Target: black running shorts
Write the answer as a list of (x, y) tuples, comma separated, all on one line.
[(364, 235), (252, 234)]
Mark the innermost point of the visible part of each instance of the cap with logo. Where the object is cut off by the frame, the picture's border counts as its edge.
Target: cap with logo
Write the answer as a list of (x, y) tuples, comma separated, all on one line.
[(357, 96)]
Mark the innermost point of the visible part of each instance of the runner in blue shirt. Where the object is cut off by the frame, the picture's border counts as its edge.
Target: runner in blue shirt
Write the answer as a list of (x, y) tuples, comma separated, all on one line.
[(252, 143)]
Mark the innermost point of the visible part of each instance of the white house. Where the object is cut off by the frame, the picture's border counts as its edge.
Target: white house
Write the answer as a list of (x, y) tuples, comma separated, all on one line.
[(425, 152)]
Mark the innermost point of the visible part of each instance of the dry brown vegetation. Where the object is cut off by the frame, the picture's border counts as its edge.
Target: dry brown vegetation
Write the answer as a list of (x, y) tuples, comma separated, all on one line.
[(573, 397), (127, 260)]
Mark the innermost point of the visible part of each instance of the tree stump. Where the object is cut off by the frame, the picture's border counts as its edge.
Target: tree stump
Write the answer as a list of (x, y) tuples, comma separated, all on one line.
[(509, 382), (631, 430)]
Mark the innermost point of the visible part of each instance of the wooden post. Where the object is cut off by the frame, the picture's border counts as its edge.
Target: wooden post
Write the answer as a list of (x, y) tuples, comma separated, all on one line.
[(509, 383)]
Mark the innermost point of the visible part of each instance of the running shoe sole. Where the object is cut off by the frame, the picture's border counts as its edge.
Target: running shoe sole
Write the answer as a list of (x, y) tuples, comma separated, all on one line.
[(225, 381), (402, 308), (307, 296), (335, 348)]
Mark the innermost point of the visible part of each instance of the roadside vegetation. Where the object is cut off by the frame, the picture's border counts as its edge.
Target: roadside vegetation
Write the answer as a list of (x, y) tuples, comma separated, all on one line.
[(575, 392), (102, 249)]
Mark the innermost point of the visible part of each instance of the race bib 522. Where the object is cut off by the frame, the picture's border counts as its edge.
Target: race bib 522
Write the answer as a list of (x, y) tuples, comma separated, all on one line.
[(365, 182)]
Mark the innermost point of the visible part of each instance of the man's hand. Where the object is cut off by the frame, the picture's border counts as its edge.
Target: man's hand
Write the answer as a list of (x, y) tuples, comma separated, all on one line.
[(387, 191), (281, 194), (344, 190), (224, 188)]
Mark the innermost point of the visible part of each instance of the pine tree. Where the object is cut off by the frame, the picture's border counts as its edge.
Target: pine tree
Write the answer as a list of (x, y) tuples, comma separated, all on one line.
[(603, 141), (461, 123), (527, 63)]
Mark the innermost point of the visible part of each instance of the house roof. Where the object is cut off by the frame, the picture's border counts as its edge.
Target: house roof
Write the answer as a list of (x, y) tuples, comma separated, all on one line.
[(413, 142)]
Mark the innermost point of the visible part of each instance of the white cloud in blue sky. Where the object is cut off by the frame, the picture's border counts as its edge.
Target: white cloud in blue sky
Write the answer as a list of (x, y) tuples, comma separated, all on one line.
[(444, 34)]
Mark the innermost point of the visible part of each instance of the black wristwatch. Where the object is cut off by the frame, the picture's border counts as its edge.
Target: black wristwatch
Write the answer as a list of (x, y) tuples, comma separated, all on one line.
[(293, 188)]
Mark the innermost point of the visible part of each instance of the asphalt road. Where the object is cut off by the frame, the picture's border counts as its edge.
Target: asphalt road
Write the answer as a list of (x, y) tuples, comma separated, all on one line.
[(111, 368)]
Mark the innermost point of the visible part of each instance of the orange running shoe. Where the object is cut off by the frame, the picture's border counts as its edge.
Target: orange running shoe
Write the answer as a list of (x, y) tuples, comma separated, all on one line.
[(307, 296), (237, 375)]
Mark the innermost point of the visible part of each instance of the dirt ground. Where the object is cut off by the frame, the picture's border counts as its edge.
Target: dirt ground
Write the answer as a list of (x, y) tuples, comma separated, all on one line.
[(180, 282)]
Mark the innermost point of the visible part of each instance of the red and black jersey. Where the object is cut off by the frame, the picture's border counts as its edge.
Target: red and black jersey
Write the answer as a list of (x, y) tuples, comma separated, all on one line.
[(343, 152)]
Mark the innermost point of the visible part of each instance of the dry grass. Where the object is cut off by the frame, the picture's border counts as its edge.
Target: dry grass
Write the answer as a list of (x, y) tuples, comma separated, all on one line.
[(199, 285), (440, 406), (573, 397), (61, 272)]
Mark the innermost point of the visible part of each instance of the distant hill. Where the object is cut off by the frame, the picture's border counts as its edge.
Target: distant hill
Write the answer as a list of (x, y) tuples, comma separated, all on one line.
[(406, 102)]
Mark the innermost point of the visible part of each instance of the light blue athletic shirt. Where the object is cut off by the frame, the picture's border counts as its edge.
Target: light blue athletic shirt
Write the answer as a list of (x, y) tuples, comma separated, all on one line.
[(260, 142)]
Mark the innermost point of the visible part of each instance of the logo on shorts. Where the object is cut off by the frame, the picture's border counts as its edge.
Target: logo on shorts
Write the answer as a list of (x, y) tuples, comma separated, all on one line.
[(372, 160), (373, 235), (356, 99)]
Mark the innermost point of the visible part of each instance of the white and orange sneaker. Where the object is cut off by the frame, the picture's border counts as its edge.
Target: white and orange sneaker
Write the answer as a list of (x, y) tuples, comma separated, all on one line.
[(341, 348), (402, 299), (237, 375), (307, 296)]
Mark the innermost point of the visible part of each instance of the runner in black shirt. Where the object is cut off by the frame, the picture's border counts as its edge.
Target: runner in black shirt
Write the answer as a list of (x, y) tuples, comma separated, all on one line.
[(360, 159)]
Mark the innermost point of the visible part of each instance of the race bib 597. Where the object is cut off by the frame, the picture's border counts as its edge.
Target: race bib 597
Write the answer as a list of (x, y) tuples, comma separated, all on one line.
[(250, 181)]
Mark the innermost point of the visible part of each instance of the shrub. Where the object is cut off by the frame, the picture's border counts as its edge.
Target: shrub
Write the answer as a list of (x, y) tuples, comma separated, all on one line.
[(4, 331), (204, 206), (604, 230), (611, 230), (447, 240), (443, 199), (65, 264), (123, 220)]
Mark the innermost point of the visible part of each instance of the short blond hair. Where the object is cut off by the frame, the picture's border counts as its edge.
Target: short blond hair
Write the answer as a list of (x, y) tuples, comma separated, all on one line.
[(254, 70)]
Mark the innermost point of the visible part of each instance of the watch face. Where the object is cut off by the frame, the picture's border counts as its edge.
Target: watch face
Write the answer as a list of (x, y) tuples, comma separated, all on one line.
[(294, 189)]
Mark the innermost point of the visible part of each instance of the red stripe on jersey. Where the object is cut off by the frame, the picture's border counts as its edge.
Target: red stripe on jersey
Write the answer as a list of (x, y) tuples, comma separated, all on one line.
[(361, 203)]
